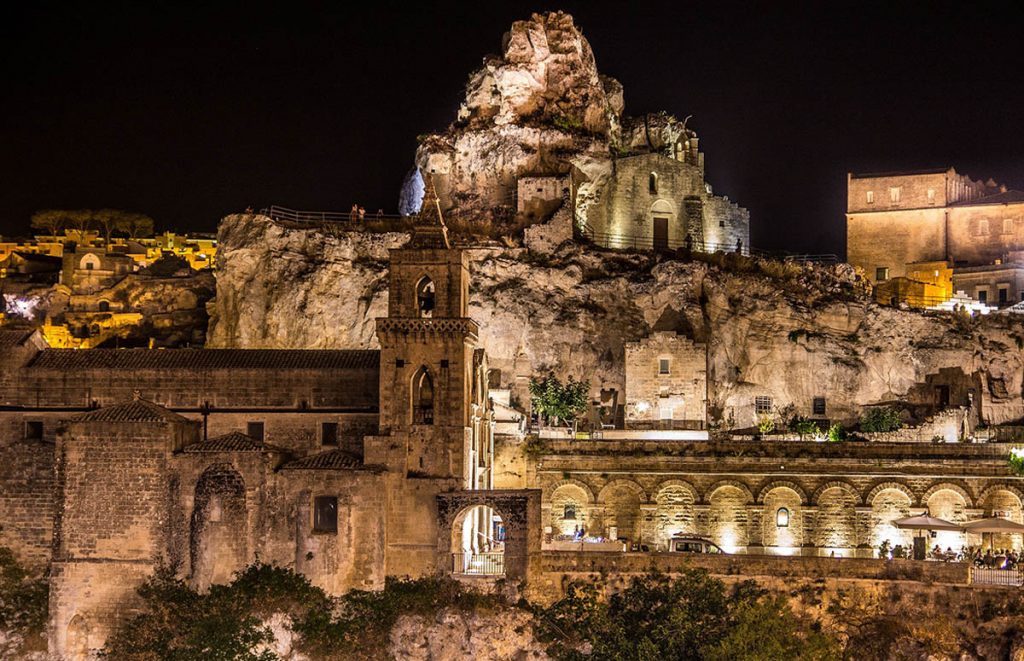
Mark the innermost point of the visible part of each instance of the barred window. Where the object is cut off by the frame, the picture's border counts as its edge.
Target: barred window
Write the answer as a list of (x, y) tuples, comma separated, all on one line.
[(763, 405), (818, 406)]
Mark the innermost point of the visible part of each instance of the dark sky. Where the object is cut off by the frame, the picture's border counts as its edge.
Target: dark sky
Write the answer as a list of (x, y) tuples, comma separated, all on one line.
[(191, 112)]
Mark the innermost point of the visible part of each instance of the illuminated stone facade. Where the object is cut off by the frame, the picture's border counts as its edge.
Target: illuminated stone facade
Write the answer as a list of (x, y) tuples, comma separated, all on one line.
[(659, 201), (897, 220), (779, 498), (666, 383)]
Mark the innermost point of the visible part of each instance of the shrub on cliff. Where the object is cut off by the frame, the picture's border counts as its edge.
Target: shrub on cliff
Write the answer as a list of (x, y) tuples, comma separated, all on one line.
[(880, 419), (691, 617), (230, 621)]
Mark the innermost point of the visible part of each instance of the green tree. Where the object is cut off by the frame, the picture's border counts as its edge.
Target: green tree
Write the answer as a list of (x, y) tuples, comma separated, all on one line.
[(880, 419), (557, 401), (693, 617)]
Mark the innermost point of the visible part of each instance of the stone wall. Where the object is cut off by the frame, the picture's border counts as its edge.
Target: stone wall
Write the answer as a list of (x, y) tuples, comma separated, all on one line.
[(839, 497), (675, 397), (27, 507), (561, 565)]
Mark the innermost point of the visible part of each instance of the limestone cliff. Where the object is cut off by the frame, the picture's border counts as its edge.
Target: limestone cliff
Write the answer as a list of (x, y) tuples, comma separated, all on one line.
[(792, 332)]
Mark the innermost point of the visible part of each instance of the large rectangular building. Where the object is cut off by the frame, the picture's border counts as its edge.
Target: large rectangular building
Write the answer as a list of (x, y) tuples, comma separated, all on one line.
[(898, 219)]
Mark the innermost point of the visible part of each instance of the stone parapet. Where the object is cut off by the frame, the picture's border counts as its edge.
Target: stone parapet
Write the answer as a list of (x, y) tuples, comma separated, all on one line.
[(569, 562)]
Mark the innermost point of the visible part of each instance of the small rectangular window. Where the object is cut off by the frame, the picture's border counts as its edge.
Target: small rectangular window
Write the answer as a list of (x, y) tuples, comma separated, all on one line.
[(329, 433), (34, 430), (763, 405), (254, 430), (881, 274), (818, 406), (325, 514), (931, 195), (721, 223), (983, 227), (663, 366), (894, 194), (1004, 295), (1007, 225), (569, 512), (870, 195), (665, 412), (982, 296)]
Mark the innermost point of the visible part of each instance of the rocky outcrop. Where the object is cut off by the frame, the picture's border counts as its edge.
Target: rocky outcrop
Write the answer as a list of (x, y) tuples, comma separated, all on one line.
[(498, 635), (789, 331), (540, 109)]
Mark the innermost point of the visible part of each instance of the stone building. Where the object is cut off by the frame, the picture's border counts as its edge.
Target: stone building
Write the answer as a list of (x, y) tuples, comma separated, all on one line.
[(90, 269), (348, 466), (666, 383), (661, 201), (896, 221)]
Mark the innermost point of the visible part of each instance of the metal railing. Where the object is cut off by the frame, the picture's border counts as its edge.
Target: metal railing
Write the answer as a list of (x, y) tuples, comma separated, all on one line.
[(1013, 578), (478, 564), (296, 216), (624, 242)]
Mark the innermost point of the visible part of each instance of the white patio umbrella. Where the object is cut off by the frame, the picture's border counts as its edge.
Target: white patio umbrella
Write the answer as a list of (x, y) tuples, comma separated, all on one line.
[(925, 522), (993, 525)]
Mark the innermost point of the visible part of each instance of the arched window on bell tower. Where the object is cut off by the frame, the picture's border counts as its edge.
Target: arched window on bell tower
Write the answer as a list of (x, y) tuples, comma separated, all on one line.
[(422, 398), (425, 297)]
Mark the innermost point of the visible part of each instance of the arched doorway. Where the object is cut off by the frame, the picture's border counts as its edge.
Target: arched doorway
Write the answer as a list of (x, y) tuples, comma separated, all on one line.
[(661, 218), (425, 301), (478, 542), (219, 527)]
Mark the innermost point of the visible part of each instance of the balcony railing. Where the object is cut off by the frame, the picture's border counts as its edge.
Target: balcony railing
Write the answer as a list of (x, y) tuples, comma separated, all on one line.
[(478, 564)]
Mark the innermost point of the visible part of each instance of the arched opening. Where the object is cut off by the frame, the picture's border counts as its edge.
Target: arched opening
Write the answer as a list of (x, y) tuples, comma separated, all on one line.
[(782, 526), (218, 545), (727, 518), (1004, 504), (478, 542), (673, 515), (77, 642), (425, 298), (570, 514), (104, 306), (89, 262), (887, 506), (837, 517), (621, 509), (948, 504), (652, 183), (422, 398)]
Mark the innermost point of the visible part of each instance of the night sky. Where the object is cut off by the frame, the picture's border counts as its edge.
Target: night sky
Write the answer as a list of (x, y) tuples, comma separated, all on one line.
[(190, 113)]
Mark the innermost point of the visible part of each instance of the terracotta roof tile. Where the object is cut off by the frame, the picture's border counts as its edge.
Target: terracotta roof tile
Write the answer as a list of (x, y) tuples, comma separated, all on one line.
[(234, 441), (330, 460), (137, 410), (205, 359), (14, 337)]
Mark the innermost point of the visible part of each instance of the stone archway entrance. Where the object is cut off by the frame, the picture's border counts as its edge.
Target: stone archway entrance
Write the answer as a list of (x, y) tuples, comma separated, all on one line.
[(470, 524), (478, 542)]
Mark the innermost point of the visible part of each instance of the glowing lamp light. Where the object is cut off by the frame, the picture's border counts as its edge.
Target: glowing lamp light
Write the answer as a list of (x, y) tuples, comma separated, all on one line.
[(643, 407)]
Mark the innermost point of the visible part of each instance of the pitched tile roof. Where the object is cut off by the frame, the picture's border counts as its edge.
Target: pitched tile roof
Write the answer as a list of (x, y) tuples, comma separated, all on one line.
[(330, 460), (205, 359), (137, 410), (13, 337), (234, 441)]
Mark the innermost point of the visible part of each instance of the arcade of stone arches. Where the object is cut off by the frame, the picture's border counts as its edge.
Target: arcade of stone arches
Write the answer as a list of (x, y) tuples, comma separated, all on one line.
[(780, 518)]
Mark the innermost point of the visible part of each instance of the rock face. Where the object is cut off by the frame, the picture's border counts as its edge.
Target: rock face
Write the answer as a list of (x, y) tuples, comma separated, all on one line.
[(790, 332), (501, 635), (541, 109)]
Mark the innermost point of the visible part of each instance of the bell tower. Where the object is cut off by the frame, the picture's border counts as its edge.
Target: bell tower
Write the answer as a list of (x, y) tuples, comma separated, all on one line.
[(426, 360)]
